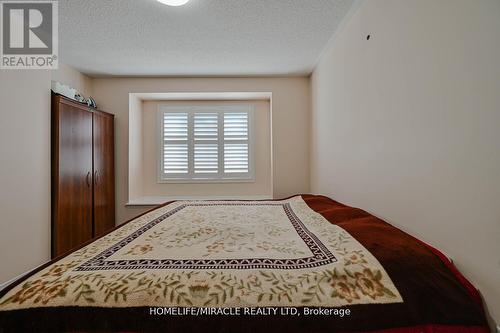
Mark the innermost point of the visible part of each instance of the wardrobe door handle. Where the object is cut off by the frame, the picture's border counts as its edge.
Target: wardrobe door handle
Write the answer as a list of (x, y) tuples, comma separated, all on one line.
[(96, 177), (88, 179)]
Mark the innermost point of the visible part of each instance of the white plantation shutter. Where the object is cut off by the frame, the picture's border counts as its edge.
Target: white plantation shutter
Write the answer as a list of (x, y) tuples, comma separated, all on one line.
[(205, 144), (175, 143), (236, 126), (236, 157), (236, 150)]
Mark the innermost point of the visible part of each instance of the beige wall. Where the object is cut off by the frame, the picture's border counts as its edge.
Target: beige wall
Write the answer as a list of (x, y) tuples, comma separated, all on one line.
[(135, 148), (25, 165), (24, 170), (407, 125), (70, 76), (262, 185), (290, 124)]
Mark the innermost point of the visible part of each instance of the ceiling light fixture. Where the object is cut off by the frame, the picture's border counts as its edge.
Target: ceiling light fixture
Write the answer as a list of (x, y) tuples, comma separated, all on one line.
[(174, 2)]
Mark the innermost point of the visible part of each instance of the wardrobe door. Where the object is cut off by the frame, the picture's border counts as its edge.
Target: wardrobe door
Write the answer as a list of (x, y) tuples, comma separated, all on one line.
[(104, 177), (72, 176)]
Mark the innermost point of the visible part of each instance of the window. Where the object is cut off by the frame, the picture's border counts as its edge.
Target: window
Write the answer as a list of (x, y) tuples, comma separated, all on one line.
[(205, 144)]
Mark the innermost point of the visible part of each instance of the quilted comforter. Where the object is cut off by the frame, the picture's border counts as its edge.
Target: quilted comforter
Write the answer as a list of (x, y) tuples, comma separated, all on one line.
[(301, 253)]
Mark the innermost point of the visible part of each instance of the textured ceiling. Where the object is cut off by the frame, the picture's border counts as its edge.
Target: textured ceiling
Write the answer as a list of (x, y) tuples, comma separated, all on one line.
[(204, 37)]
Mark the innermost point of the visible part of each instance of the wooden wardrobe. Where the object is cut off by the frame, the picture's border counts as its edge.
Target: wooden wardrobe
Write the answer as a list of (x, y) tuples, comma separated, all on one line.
[(83, 176)]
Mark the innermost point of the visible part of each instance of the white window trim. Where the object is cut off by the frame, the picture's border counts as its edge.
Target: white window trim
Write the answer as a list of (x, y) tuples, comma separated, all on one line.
[(187, 179)]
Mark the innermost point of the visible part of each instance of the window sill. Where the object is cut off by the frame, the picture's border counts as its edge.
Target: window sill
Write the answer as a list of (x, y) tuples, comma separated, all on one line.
[(205, 181), (158, 200)]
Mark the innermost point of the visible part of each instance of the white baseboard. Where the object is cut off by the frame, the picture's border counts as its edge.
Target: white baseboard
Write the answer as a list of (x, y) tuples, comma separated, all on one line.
[(6, 283)]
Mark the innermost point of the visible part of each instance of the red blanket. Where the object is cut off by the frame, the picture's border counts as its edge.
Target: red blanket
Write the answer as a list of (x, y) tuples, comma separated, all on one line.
[(437, 297)]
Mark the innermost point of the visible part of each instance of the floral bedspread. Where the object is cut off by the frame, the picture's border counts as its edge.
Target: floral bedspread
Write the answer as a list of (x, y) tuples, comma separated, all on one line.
[(214, 253)]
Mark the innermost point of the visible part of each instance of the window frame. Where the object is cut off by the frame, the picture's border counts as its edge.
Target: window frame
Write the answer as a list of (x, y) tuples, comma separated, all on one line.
[(220, 177)]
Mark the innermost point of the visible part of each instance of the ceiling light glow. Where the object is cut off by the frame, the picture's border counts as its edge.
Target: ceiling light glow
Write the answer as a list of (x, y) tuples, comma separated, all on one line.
[(174, 2)]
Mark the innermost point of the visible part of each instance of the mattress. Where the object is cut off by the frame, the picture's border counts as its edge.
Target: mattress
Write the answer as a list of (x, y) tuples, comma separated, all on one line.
[(304, 264)]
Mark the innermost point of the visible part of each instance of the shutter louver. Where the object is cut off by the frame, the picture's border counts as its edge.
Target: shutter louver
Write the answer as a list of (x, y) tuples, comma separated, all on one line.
[(206, 148), (206, 158), (236, 126), (236, 151), (236, 157), (175, 143)]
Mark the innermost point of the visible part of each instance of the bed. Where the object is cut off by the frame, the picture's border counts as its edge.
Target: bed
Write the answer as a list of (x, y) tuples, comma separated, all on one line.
[(301, 264)]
